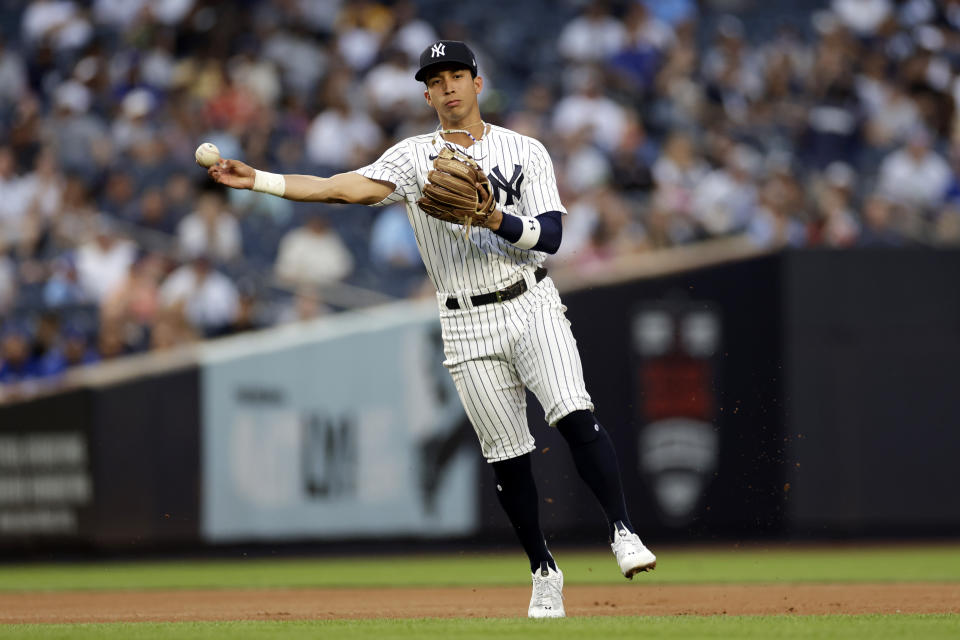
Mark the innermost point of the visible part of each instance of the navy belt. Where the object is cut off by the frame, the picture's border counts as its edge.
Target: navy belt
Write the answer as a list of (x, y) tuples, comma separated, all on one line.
[(509, 293)]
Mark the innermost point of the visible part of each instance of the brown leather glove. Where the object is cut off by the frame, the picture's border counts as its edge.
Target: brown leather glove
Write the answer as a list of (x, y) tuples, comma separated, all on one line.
[(457, 190)]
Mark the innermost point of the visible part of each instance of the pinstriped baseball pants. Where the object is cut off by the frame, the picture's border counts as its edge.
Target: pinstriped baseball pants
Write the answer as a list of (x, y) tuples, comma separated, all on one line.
[(496, 350)]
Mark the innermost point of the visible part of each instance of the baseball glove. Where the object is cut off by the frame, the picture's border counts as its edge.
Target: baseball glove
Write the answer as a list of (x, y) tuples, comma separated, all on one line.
[(457, 190)]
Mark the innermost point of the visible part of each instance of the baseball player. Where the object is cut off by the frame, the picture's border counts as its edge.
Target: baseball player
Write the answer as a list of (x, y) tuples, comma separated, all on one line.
[(484, 206)]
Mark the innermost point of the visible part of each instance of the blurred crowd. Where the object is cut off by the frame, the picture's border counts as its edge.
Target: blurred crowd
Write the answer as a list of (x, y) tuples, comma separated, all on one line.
[(824, 123)]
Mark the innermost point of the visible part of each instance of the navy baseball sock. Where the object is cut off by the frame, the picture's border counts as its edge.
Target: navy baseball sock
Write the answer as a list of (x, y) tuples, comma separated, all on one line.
[(518, 497), (596, 462)]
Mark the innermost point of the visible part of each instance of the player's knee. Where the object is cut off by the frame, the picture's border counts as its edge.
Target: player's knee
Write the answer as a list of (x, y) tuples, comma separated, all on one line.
[(513, 470), (579, 427)]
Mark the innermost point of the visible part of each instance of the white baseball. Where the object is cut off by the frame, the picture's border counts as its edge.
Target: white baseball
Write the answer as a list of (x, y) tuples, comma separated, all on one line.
[(207, 154)]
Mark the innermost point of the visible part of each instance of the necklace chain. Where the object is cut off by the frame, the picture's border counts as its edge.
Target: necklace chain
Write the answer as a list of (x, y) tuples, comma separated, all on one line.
[(464, 131)]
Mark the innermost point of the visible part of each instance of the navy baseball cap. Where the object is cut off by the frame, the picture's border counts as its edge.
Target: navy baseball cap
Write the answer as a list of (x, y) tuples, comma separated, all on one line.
[(446, 51)]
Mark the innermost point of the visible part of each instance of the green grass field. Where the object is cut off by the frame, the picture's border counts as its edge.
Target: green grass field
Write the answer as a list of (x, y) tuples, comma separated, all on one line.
[(745, 565), (867, 564), (873, 627)]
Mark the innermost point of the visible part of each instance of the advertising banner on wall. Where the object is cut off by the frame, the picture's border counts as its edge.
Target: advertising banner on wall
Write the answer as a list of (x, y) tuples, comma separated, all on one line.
[(46, 481), (350, 428), (674, 346)]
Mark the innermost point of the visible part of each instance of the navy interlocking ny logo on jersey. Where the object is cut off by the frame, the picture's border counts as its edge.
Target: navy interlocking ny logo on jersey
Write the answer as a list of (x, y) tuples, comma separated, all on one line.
[(511, 186)]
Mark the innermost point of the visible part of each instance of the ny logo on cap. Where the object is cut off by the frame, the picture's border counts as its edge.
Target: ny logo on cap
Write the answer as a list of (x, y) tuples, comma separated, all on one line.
[(437, 50)]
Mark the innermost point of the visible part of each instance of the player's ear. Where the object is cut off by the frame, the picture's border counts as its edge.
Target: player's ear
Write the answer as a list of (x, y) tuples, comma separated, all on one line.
[(426, 95), (478, 84)]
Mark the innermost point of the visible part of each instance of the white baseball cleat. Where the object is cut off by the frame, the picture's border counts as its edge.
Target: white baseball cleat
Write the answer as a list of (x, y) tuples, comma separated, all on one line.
[(547, 598), (631, 555)]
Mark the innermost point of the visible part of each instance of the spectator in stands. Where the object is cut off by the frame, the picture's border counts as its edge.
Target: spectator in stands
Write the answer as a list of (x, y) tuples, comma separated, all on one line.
[(8, 282), (256, 76), (664, 228), (533, 116), (73, 350), (78, 219), (45, 335), (583, 217), (341, 136), (112, 341), (915, 175), (632, 160), (80, 139), (135, 301), (302, 59), (678, 170), (43, 188), (725, 200), (248, 317), (584, 165), (362, 27), (610, 236), (593, 36), (588, 109), (204, 297), (103, 261), (153, 212), (211, 229), (392, 242), (891, 114), (60, 23), (833, 127), (14, 199), (307, 304), (390, 94), (732, 71), (393, 251), (119, 15), (171, 329), (63, 288), (313, 254), (13, 75), (134, 126), (638, 60), (411, 34), (835, 223), (119, 195), (946, 232), (776, 223), (16, 365), (180, 195), (680, 99), (602, 227), (879, 229), (863, 17)]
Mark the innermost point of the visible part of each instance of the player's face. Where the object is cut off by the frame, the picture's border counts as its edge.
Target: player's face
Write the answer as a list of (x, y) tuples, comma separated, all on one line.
[(453, 93)]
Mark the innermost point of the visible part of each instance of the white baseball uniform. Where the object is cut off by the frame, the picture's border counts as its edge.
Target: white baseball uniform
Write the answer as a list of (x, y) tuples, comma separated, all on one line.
[(493, 350)]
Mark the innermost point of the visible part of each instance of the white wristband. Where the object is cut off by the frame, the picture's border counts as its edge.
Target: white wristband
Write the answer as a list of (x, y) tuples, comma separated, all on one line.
[(272, 183), (531, 233)]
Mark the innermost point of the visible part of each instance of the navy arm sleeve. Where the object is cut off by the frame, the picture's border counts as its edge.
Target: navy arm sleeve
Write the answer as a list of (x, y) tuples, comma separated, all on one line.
[(551, 230)]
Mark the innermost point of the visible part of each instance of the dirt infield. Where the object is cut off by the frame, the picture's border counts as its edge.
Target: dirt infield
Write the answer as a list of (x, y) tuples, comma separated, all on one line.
[(629, 599)]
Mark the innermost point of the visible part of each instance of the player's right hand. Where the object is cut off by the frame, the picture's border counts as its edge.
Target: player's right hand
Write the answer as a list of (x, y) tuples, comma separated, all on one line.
[(232, 173)]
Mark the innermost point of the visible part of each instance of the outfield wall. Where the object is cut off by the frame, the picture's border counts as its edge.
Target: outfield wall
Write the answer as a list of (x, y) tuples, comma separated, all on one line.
[(806, 394), (334, 432)]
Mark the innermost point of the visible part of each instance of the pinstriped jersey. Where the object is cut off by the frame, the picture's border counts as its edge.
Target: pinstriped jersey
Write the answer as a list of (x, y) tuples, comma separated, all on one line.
[(523, 182)]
